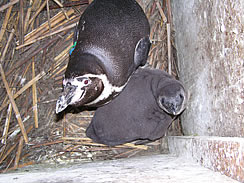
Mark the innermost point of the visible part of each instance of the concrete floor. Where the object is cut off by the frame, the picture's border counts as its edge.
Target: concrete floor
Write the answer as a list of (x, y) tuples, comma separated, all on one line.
[(222, 154), (146, 169)]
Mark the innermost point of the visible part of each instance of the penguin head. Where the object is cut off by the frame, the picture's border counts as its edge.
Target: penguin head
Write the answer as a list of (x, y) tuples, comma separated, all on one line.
[(172, 98), (78, 91), (82, 83)]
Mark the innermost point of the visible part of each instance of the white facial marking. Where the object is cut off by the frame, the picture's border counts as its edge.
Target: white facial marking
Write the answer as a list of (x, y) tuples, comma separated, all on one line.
[(108, 87), (77, 95), (80, 83), (83, 25)]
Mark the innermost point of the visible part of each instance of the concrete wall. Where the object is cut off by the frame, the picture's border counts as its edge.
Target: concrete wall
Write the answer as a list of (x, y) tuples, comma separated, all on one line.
[(210, 45)]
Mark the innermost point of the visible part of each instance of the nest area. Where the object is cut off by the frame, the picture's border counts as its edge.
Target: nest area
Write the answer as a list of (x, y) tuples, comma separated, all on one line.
[(35, 39)]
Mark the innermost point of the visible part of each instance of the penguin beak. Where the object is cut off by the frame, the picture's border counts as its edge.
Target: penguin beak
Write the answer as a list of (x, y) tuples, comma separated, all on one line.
[(172, 105), (75, 90), (171, 108), (68, 97)]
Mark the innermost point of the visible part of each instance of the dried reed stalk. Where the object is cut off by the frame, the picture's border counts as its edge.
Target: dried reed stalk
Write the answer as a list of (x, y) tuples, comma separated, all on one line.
[(18, 153), (21, 22), (59, 59), (71, 148), (135, 146), (169, 48), (61, 6), (26, 70), (62, 54), (10, 93), (124, 153), (5, 22), (6, 126), (64, 127), (59, 71), (9, 163), (37, 12), (35, 6), (27, 17), (48, 16), (161, 12), (11, 3), (7, 123), (48, 35), (34, 95), (24, 60), (47, 143), (13, 147), (56, 20), (19, 166), (169, 11), (88, 141), (76, 138), (8, 152), (70, 4), (27, 85), (7, 45), (16, 110)]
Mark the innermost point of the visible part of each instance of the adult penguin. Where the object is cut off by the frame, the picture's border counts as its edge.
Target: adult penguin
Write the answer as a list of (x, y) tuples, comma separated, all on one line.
[(112, 42), (142, 111)]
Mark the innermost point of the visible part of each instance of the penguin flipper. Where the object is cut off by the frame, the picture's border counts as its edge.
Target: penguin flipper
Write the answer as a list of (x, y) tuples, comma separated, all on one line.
[(90, 132), (141, 51)]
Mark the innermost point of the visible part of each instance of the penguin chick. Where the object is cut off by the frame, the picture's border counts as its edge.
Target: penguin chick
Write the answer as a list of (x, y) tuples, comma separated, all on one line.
[(171, 98), (112, 42), (142, 111)]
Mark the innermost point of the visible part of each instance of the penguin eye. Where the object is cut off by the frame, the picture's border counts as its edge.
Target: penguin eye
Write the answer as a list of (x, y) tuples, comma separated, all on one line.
[(86, 82), (162, 100)]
